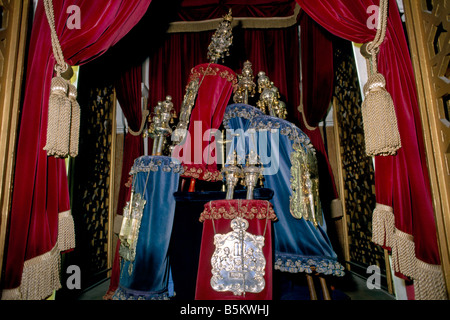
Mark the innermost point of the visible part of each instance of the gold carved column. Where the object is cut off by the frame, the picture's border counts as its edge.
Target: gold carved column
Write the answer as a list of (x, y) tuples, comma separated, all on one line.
[(428, 29), (13, 35)]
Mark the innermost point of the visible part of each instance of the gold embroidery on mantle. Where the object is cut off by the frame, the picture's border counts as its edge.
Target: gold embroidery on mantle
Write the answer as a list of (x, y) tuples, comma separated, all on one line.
[(230, 209), (305, 201), (201, 173), (199, 72)]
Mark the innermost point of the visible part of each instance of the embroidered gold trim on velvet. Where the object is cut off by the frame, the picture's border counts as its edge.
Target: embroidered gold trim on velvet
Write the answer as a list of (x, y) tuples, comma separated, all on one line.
[(199, 72), (201, 173), (164, 163), (230, 209)]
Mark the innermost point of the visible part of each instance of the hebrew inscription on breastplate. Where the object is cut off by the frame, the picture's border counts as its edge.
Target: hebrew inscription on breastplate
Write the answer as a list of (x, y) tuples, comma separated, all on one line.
[(238, 263)]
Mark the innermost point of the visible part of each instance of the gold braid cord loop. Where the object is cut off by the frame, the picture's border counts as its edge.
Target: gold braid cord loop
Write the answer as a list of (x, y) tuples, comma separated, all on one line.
[(381, 132)]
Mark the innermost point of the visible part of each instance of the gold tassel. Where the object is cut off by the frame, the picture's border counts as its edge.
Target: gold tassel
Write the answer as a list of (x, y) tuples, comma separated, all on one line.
[(63, 128), (58, 101), (62, 145), (75, 121), (381, 133)]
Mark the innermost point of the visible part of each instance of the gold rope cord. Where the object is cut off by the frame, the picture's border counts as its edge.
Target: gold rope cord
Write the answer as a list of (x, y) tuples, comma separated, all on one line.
[(144, 117), (63, 109), (302, 112), (379, 118)]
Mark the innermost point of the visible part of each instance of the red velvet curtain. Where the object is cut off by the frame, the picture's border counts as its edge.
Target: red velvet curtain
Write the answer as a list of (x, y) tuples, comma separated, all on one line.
[(317, 89), (317, 70), (40, 183), (170, 65), (274, 51), (129, 93), (402, 181)]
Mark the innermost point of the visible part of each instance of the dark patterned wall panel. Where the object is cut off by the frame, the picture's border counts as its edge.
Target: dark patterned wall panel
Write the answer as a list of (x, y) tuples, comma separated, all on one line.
[(358, 171), (90, 180)]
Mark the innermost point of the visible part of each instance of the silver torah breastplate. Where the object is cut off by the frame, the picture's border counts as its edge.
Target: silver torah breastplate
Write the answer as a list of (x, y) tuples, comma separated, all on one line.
[(131, 224), (238, 263)]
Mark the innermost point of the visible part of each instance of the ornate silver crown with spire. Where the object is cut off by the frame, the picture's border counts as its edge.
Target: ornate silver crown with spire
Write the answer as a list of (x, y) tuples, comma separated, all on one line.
[(221, 40)]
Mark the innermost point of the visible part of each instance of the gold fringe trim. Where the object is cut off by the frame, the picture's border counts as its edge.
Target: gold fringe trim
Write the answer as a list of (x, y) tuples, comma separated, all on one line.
[(246, 23), (41, 274), (40, 277), (383, 225), (66, 231), (403, 254), (428, 279), (429, 282), (11, 294)]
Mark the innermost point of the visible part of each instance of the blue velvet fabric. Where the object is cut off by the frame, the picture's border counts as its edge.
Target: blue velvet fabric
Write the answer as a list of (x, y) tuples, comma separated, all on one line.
[(298, 244), (151, 270), (240, 112)]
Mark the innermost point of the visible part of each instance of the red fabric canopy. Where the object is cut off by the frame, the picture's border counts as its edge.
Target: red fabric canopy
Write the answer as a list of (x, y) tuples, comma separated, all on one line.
[(40, 183)]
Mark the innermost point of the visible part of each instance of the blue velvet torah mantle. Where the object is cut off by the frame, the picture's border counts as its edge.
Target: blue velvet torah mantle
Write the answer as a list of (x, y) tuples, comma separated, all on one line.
[(299, 246), (149, 279)]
